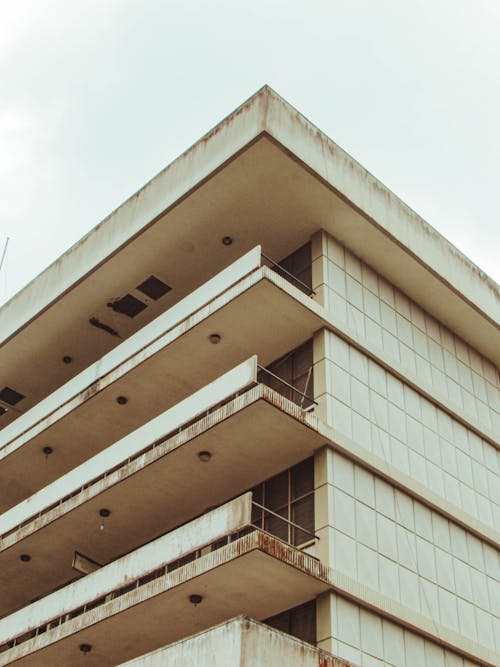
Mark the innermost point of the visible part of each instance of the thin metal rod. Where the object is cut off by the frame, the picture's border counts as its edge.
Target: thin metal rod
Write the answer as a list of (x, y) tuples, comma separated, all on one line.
[(291, 523), (265, 370), (298, 280), (309, 372), (4, 252)]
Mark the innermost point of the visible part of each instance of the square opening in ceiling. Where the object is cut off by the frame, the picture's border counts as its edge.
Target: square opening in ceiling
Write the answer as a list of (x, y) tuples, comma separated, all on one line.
[(153, 287), (10, 396), (128, 305)]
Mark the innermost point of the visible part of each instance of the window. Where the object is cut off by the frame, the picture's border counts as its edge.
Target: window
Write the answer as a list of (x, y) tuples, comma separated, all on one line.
[(296, 369), (299, 265), (299, 622), (289, 495)]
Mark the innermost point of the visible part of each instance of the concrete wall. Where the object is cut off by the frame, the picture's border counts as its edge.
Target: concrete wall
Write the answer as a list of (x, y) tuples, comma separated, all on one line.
[(409, 391), (239, 642), (368, 403), (395, 545), (430, 354), (358, 635)]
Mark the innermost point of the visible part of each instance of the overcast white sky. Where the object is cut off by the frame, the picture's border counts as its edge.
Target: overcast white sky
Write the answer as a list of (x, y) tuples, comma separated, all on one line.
[(96, 96)]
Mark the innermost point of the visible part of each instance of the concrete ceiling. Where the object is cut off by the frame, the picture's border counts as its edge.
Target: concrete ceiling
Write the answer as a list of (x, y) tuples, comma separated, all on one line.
[(264, 320), (258, 440), (255, 583)]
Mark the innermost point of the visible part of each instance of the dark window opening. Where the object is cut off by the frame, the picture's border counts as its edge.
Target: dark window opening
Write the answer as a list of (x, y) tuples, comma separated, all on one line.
[(10, 396), (289, 495), (299, 264), (299, 622), (154, 287), (127, 305), (296, 370)]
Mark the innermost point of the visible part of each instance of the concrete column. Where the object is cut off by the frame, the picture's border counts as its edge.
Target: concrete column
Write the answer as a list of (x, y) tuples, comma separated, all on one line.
[(320, 375), (325, 622), (319, 267), (323, 503)]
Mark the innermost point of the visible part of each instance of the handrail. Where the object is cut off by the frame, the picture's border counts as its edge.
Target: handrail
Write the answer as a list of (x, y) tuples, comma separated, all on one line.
[(290, 386), (291, 523), (308, 289)]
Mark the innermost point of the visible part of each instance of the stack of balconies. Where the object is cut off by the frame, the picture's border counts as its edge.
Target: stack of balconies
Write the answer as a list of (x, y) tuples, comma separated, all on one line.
[(124, 527)]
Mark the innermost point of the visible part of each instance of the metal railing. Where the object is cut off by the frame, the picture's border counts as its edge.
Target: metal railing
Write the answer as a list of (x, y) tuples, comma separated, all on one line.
[(301, 529), (275, 266), (304, 398)]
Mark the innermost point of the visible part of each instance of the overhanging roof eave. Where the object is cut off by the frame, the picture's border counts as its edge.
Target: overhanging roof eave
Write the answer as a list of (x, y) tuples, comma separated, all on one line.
[(267, 114)]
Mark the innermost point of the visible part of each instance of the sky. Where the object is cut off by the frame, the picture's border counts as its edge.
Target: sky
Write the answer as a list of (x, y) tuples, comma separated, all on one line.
[(97, 96)]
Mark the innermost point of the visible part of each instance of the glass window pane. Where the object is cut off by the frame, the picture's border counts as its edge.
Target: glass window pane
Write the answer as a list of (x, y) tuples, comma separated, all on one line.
[(280, 622), (276, 491), (276, 526), (303, 623), (303, 516), (302, 359), (257, 493), (257, 516), (301, 259), (302, 478), (299, 622)]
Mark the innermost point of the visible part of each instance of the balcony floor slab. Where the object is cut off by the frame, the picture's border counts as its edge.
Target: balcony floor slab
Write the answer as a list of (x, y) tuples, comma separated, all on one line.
[(257, 434), (262, 315), (257, 575)]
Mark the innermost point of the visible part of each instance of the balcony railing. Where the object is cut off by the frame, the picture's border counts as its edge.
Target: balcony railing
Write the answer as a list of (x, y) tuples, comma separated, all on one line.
[(275, 266), (108, 583), (287, 390)]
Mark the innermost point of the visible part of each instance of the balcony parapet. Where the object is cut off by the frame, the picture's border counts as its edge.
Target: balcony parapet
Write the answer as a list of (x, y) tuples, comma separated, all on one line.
[(225, 520), (215, 529), (131, 446), (240, 641)]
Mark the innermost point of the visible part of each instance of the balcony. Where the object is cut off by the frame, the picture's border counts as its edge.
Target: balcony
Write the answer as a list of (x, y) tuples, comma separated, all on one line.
[(249, 307), (153, 480), (202, 573), (241, 641), (97, 327)]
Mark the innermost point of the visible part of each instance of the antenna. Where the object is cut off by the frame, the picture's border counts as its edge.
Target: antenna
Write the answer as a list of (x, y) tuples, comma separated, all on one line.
[(4, 252)]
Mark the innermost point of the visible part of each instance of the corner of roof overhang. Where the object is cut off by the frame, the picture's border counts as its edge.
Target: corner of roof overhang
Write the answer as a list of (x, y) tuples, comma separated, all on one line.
[(317, 153)]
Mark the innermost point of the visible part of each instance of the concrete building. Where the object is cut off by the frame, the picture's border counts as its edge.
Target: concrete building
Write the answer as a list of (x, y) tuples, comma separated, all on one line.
[(252, 418)]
